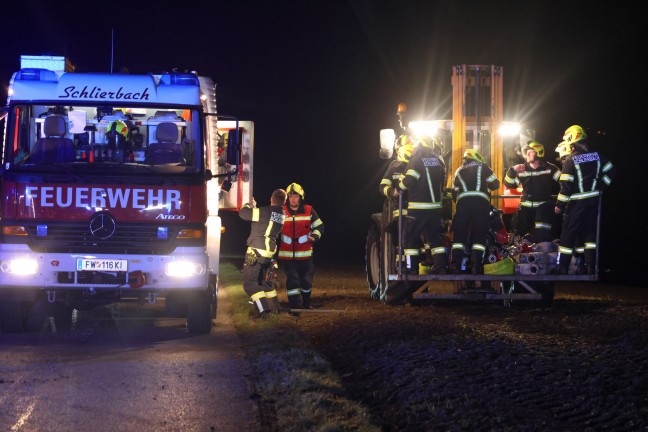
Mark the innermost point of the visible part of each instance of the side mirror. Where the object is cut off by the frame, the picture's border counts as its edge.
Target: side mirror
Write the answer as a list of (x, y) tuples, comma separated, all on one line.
[(208, 175)]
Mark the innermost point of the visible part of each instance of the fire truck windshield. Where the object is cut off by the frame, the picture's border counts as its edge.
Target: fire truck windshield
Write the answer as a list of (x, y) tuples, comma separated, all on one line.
[(46, 136)]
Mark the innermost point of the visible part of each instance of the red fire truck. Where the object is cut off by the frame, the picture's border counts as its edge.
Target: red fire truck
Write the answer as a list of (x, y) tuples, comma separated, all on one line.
[(111, 191)]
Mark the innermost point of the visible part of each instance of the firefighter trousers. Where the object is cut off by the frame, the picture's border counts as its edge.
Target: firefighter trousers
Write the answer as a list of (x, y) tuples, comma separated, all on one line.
[(299, 281), (258, 283)]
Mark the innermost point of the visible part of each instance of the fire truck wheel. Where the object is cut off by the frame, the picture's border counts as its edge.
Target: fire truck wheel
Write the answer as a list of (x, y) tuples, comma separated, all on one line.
[(199, 312), (43, 310), (174, 307), (373, 262), (12, 317), (213, 294)]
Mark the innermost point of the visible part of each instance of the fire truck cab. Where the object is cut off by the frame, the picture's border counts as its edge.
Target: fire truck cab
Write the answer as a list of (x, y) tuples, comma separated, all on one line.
[(111, 187)]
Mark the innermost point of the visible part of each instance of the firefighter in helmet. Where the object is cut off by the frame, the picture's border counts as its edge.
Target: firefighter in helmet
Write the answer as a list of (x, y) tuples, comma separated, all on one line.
[(473, 182), (585, 173), (424, 180), (538, 178), (266, 224), (395, 172), (302, 227)]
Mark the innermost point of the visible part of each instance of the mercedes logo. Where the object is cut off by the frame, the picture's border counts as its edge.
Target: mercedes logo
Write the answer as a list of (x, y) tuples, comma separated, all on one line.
[(102, 226)]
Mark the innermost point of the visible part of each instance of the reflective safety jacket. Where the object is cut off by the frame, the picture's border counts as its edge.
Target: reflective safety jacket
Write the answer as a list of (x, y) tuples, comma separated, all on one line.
[(537, 183), (474, 179), (584, 174), (266, 227), (298, 226), (389, 182), (424, 178)]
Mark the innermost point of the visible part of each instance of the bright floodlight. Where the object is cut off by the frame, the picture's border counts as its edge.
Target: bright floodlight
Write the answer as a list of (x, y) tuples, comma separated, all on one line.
[(423, 128), (387, 138), (509, 129)]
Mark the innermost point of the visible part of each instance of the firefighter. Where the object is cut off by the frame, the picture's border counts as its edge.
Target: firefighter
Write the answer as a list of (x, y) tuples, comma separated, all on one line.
[(395, 172), (585, 173), (424, 179), (538, 177), (302, 228), (259, 264), (473, 181)]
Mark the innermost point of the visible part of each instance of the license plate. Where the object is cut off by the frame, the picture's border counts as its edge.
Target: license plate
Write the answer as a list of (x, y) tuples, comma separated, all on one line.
[(89, 264)]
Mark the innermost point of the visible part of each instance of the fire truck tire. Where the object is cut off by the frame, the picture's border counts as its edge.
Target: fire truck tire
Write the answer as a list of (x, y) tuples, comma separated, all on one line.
[(13, 317), (174, 307), (199, 312), (42, 310), (213, 293), (373, 261)]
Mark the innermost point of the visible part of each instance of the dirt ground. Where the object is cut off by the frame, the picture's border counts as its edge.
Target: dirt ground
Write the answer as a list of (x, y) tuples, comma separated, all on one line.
[(581, 364)]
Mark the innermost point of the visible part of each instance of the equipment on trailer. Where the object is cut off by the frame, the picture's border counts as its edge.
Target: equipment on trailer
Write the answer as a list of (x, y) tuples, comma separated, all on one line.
[(477, 124)]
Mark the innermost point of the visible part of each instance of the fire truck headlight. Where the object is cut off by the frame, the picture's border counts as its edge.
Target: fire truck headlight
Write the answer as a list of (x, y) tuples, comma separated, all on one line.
[(184, 269), (24, 266)]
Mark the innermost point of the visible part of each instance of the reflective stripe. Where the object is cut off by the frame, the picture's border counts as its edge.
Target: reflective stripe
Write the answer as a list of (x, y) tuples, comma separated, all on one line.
[(422, 206), (290, 254), (263, 253), (438, 250), (258, 296), (532, 204), (271, 294), (413, 173), (565, 250), (515, 181), (255, 215), (473, 193), (478, 247), (584, 195), (411, 252), (293, 292), (590, 245)]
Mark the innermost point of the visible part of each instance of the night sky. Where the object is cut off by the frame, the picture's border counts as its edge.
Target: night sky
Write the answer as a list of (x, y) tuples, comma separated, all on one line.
[(321, 78)]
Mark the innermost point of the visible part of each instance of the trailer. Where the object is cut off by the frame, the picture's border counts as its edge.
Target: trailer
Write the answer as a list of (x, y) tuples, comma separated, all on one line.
[(477, 122)]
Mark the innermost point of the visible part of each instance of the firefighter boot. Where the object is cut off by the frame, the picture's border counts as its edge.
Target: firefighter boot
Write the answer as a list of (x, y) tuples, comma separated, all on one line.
[(262, 307), (411, 265), (477, 260), (456, 261), (294, 298), (440, 264), (306, 299), (563, 264), (590, 261)]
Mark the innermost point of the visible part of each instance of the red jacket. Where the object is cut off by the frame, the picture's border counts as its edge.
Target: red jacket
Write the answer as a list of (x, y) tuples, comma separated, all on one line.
[(298, 226)]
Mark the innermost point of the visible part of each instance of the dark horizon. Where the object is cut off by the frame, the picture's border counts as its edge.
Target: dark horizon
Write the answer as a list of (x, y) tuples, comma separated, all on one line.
[(321, 79)]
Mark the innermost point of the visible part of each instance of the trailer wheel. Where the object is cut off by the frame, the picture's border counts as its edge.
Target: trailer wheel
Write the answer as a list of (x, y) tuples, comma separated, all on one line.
[(13, 317), (373, 264)]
